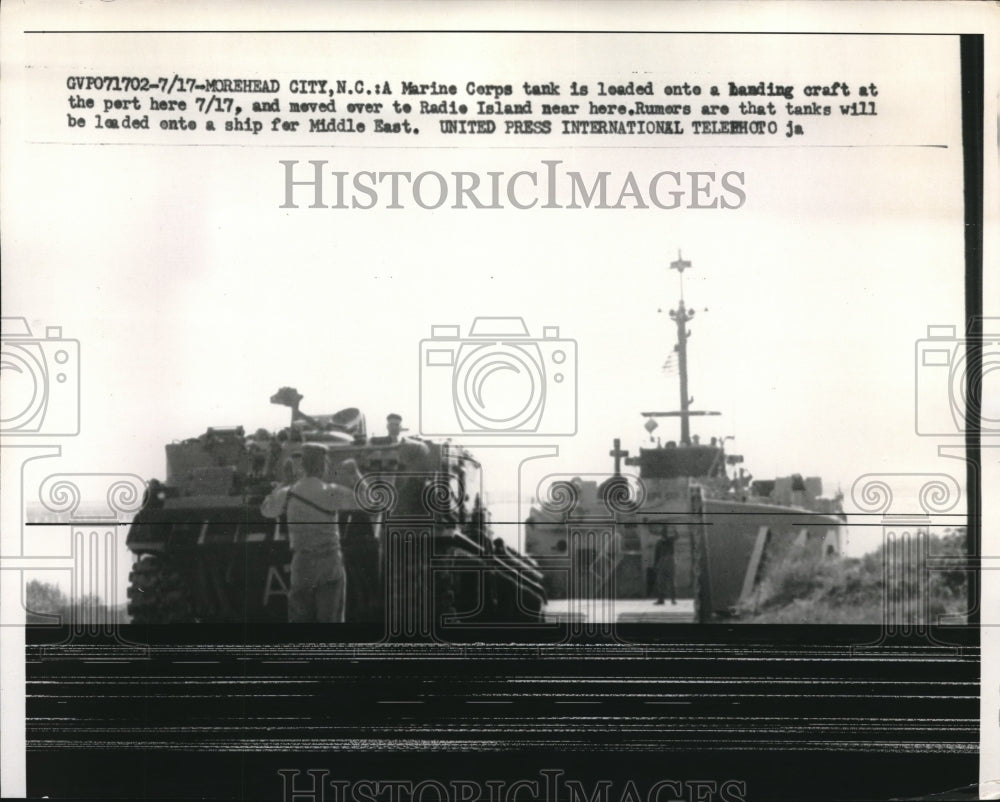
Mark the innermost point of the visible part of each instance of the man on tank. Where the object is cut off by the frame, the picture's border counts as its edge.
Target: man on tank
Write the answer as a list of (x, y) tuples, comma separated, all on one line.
[(318, 582)]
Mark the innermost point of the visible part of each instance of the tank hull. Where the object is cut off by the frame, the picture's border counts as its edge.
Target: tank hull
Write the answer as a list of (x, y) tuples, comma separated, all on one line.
[(232, 562), (218, 560), (415, 538)]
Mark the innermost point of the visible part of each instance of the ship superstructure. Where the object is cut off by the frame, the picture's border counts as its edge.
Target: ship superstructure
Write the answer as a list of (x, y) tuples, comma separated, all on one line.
[(597, 538)]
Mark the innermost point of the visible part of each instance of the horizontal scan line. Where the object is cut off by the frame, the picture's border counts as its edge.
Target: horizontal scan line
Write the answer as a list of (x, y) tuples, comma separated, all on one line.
[(624, 145), (512, 31), (676, 517), (104, 523), (85, 660)]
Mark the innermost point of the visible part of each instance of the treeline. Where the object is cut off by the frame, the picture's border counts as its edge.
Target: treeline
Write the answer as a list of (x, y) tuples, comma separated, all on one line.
[(918, 580), (43, 601)]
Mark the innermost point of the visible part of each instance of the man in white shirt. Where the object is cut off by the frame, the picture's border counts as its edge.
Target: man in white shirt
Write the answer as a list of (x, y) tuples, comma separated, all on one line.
[(318, 582)]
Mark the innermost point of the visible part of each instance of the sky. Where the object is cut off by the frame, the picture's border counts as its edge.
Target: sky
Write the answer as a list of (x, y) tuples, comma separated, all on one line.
[(194, 296)]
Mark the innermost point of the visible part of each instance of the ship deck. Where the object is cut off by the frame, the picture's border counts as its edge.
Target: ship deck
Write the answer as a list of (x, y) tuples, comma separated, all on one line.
[(619, 611)]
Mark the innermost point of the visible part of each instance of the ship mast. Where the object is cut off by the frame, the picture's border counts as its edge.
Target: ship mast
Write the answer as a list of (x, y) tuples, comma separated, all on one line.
[(681, 315)]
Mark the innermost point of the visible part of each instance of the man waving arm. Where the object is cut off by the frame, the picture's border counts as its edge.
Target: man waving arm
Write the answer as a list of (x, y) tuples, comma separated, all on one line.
[(347, 486), (274, 505)]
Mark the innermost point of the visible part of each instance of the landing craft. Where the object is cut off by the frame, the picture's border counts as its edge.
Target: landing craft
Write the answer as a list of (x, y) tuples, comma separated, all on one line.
[(598, 539)]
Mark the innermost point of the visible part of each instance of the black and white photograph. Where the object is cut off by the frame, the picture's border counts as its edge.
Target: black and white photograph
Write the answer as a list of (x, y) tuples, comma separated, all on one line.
[(499, 401)]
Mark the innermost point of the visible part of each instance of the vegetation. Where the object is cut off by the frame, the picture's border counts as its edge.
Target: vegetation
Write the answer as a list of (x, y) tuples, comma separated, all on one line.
[(907, 583), (44, 600)]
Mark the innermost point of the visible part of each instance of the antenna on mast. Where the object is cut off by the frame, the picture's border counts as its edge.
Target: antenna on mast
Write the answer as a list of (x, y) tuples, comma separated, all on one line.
[(680, 265), (681, 315)]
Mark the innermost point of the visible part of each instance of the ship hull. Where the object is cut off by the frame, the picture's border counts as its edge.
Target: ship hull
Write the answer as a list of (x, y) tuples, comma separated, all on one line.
[(744, 541), (722, 547)]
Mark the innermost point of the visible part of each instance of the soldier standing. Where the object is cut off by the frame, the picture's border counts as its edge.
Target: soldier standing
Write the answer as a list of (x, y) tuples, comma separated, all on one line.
[(663, 559), (394, 425), (318, 582)]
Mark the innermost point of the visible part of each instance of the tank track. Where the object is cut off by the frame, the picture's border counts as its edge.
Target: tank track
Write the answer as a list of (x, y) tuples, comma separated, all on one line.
[(417, 608), (157, 593)]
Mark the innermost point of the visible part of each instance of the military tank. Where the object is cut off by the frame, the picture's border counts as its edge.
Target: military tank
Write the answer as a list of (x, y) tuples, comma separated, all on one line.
[(596, 537), (418, 548)]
